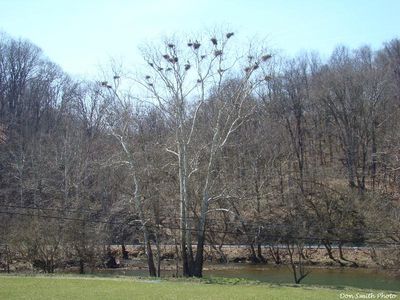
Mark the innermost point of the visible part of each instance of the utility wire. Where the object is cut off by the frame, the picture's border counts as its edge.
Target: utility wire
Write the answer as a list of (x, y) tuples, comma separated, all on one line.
[(210, 220), (287, 237)]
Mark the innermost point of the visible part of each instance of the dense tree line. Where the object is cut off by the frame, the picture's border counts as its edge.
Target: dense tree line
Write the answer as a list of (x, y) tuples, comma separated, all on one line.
[(206, 146)]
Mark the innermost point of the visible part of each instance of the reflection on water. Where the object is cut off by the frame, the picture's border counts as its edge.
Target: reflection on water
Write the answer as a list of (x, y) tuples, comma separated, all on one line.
[(360, 278)]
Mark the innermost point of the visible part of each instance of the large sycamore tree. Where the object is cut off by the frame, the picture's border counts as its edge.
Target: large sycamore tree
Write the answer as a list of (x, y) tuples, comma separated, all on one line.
[(184, 79)]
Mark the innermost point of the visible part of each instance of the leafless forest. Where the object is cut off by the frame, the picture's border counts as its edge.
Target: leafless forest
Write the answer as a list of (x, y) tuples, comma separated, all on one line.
[(207, 145)]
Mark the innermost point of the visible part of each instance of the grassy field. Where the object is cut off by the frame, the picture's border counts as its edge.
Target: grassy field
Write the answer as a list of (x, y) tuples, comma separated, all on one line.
[(25, 287)]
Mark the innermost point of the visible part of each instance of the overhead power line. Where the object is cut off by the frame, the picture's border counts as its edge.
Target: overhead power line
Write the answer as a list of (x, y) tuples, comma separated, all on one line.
[(254, 224), (287, 237)]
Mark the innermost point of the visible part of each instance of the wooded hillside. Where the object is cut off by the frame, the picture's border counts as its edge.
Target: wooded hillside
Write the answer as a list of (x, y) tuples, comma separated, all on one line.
[(206, 146)]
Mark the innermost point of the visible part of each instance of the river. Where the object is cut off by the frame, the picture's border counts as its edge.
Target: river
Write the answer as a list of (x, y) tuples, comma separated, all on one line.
[(338, 277)]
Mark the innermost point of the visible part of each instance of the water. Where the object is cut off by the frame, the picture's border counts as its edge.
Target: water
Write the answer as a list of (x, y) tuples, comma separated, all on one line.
[(338, 277), (360, 278)]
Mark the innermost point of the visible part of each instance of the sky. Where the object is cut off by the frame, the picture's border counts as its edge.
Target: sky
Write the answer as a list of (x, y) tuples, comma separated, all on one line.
[(82, 35)]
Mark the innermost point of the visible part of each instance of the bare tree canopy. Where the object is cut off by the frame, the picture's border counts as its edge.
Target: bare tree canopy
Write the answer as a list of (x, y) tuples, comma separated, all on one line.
[(213, 143)]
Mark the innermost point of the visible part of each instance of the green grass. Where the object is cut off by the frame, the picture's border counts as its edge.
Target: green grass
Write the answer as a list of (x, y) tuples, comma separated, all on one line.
[(56, 287)]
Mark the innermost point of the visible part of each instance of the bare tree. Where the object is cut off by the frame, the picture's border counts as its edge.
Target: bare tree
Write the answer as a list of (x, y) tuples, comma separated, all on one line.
[(186, 76)]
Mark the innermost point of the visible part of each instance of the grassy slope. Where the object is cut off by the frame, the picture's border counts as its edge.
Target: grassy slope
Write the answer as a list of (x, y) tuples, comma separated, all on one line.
[(106, 288)]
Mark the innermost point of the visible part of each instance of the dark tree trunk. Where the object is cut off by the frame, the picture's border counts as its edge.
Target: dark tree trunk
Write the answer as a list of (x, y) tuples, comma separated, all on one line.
[(176, 258), (158, 253), (299, 273), (81, 266), (353, 263), (328, 248), (150, 260), (198, 266), (253, 256), (185, 264), (7, 259), (125, 254), (275, 255)]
